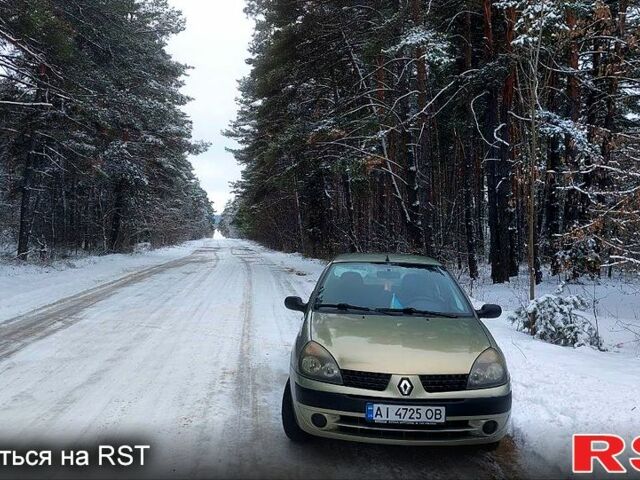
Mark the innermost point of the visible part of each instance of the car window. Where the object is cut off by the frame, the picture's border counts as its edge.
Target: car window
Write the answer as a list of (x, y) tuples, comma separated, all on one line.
[(396, 286)]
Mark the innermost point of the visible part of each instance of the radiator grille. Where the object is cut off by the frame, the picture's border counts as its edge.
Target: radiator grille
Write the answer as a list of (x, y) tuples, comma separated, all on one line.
[(444, 383), (366, 380)]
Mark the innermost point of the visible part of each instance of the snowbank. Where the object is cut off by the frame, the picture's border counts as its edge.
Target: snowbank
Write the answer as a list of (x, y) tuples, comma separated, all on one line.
[(559, 391)]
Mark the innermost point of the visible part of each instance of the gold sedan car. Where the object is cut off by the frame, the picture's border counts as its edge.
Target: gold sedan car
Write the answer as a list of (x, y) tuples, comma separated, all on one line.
[(391, 351)]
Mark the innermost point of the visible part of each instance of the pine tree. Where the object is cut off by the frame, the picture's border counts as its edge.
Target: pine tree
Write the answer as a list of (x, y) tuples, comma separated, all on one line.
[(92, 128), (401, 126)]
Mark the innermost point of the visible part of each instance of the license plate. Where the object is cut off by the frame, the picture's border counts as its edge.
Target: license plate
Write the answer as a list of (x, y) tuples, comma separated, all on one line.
[(381, 413)]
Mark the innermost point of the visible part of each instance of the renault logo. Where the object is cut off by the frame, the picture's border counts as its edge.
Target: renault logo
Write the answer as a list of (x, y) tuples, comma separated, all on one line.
[(405, 386)]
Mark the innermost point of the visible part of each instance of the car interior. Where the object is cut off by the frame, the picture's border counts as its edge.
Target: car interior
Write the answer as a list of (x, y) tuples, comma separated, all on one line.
[(395, 287)]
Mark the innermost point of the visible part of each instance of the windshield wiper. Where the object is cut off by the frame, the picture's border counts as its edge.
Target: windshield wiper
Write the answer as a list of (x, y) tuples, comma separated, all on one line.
[(415, 311), (343, 306)]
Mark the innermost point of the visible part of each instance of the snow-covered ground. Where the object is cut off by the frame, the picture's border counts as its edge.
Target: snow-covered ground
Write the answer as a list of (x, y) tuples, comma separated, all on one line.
[(559, 391), (26, 287), (614, 303), (190, 353)]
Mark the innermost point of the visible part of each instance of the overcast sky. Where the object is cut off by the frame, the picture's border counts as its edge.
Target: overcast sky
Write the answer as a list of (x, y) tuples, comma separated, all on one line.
[(215, 44)]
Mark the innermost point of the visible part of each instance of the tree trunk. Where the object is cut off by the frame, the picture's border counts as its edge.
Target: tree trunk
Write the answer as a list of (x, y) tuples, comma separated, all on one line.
[(468, 209), (116, 221), (505, 199), (467, 173), (499, 261), (346, 185), (421, 225), (29, 139), (554, 166), (572, 202), (25, 205), (613, 67)]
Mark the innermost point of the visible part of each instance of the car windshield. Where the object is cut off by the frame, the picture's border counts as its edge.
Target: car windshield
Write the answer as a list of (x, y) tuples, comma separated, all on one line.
[(389, 288)]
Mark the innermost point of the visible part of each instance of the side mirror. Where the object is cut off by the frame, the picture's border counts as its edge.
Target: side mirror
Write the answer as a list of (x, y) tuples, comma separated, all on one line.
[(295, 303), (489, 311)]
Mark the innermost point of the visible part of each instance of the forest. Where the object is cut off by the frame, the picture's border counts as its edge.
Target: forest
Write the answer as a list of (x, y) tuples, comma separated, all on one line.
[(94, 145), (474, 131)]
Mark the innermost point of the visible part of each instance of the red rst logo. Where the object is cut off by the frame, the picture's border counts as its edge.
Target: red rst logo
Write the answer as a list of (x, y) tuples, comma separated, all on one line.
[(605, 448)]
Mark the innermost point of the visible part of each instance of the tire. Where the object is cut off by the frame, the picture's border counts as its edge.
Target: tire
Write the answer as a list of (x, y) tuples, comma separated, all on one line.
[(289, 422)]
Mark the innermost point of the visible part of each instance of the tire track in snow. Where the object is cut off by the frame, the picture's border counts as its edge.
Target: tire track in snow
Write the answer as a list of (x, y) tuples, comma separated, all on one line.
[(17, 333), (231, 395), (147, 336), (137, 335), (245, 393)]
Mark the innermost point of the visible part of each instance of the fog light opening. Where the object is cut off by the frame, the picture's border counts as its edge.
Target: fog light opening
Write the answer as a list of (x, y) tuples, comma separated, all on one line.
[(490, 427), (319, 420)]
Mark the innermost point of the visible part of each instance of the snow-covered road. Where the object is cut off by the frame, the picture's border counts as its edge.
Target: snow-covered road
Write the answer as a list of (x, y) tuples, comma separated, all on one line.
[(191, 358)]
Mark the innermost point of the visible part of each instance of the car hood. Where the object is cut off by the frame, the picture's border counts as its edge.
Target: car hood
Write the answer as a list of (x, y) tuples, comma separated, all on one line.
[(400, 345)]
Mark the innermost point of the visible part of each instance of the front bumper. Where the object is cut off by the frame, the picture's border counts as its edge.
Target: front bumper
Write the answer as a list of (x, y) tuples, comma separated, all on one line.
[(344, 411)]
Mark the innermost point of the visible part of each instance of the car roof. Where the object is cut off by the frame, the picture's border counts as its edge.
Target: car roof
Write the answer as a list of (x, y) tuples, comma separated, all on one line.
[(382, 257)]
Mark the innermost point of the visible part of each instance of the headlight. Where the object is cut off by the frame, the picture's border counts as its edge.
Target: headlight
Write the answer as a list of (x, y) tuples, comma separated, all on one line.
[(317, 363), (489, 370)]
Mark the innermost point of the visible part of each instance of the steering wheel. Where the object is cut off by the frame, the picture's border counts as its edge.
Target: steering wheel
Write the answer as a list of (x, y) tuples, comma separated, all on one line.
[(425, 303)]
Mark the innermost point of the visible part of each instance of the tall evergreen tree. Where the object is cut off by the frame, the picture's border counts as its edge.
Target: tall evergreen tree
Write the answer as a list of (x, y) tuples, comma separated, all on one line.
[(91, 129), (438, 126)]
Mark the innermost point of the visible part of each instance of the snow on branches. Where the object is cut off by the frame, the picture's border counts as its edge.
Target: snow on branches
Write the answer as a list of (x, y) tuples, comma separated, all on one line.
[(557, 320)]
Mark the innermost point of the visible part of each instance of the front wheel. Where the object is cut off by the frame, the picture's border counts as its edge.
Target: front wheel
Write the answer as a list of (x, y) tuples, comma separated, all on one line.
[(289, 422)]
